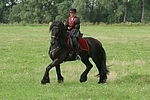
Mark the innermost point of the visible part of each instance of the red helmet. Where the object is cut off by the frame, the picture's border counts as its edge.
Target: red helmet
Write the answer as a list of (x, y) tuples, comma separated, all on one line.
[(73, 10)]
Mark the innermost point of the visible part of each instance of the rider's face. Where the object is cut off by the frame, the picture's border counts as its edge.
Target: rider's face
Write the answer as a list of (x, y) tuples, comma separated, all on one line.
[(72, 14)]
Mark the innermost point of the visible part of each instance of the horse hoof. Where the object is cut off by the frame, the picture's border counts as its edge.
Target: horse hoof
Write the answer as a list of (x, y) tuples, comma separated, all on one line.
[(60, 81), (45, 81), (102, 82), (83, 79)]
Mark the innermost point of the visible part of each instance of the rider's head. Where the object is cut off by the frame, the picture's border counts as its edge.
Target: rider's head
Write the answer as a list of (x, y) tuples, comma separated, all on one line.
[(73, 12)]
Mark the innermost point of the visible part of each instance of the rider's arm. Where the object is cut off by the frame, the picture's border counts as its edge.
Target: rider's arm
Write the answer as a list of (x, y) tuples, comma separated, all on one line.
[(77, 23), (66, 24)]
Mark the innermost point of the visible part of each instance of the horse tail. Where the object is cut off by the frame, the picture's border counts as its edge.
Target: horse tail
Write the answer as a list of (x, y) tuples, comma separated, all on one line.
[(103, 60), (103, 68), (98, 55)]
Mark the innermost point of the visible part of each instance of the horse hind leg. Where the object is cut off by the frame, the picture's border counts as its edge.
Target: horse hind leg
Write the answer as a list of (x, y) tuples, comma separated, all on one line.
[(83, 76)]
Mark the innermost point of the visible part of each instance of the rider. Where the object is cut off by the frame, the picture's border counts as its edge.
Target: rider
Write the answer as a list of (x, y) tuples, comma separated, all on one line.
[(73, 26)]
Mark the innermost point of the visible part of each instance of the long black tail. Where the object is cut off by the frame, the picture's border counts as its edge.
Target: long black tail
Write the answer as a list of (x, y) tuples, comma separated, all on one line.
[(104, 70), (98, 55)]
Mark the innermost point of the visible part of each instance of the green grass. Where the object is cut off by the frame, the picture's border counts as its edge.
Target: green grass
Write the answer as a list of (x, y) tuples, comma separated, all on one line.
[(24, 57)]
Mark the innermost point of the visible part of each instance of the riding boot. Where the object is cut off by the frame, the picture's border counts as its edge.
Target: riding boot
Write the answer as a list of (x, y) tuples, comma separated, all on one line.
[(76, 48)]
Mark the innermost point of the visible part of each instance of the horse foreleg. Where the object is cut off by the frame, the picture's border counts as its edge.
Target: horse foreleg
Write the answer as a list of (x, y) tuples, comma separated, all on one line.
[(46, 78), (59, 76), (83, 76)]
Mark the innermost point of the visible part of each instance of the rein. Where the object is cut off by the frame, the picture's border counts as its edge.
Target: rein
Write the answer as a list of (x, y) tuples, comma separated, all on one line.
[(55, 37)]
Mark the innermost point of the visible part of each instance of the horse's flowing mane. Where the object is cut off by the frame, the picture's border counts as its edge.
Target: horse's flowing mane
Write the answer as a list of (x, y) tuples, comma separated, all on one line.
[(63, 32)]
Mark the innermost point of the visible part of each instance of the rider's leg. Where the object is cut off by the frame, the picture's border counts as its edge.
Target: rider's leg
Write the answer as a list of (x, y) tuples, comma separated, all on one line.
[(76, 48)]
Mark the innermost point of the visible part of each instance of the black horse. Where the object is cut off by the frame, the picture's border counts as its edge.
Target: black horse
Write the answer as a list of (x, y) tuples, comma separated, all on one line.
[(59, 53)]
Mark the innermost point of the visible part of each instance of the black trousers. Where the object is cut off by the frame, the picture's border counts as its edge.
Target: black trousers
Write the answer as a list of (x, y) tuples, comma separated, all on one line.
[(75, 44)]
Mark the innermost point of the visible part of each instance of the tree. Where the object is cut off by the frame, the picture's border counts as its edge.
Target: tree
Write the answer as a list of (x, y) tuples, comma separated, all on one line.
[(14, 16), (63, 9), (125, 2), (43, 11), (4, 11), (147, 11), (83, 9)]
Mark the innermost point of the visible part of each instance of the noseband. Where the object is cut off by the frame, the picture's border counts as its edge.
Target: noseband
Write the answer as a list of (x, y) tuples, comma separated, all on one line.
[(54, 37)]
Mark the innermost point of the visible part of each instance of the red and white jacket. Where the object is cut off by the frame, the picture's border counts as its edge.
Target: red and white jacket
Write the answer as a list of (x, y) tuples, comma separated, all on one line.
[(73, 23)]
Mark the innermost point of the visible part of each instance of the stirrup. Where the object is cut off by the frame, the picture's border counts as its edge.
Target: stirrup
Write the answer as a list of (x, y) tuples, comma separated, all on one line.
[(78, 57)]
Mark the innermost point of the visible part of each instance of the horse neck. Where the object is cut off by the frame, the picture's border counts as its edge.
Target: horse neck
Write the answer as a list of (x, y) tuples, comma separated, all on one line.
[(63, 39)]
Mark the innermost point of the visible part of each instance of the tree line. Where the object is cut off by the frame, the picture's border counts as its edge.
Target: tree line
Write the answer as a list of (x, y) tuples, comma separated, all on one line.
[(95, 11)]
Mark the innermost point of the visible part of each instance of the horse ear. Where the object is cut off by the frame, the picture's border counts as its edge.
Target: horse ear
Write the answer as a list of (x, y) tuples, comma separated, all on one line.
[(50, 23), (50, 26)]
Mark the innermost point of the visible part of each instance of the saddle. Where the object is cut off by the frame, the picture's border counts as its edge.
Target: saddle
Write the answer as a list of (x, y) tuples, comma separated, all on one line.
[(83, 45)]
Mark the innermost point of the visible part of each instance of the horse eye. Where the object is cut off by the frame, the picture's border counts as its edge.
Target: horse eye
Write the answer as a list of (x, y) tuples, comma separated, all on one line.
[(52, 43)]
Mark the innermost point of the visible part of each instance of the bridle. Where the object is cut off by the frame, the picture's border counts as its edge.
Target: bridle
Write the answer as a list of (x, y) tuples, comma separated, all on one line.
[(55, 27), (54, 37)]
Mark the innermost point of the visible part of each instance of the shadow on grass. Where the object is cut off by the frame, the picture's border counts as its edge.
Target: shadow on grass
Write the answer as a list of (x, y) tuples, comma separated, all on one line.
[(134, 78)]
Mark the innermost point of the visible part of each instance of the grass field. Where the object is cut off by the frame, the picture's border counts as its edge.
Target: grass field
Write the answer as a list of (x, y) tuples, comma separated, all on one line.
[(24, 56)]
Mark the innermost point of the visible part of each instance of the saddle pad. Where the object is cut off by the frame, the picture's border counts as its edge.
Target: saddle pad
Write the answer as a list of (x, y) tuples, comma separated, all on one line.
[(83, 44)]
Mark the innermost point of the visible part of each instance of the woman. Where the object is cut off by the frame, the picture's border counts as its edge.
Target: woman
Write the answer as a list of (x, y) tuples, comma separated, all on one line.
[(73, 26)]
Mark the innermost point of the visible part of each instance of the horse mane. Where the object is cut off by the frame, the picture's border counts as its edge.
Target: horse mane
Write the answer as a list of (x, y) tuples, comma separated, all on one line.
[(63, 35)]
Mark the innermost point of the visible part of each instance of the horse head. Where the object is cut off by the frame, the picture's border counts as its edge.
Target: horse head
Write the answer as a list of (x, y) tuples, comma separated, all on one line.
[(58, 33)]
